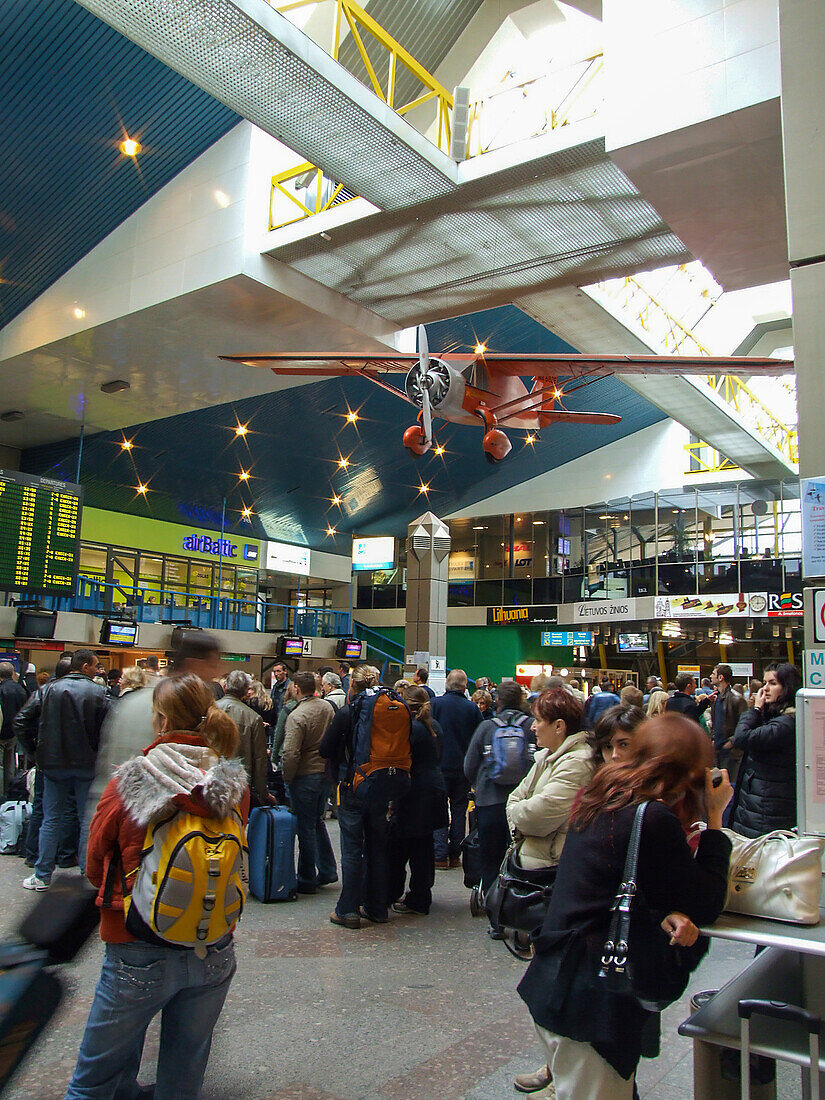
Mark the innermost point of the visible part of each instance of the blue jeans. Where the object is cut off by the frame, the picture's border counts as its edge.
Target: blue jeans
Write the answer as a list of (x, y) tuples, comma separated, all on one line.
[(56, 793), (139, 980), (308, 796), (67, 845), (449, 844), (364, 842)]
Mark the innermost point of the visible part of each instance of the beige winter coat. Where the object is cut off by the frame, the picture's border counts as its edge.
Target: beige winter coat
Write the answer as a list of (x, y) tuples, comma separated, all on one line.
[(539, 807)]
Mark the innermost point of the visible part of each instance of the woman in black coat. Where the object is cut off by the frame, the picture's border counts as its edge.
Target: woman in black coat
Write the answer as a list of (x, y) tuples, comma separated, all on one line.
[(593, 1037), (765, 797), (417, 814)]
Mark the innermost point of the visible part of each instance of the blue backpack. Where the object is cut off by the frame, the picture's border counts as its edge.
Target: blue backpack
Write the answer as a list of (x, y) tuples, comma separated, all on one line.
[(511, 752)]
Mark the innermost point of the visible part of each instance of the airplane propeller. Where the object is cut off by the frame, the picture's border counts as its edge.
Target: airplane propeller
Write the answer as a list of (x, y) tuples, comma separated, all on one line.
[(426, 383)]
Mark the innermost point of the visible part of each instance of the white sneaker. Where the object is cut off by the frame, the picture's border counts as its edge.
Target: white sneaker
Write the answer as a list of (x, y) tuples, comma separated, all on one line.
[(35, 883)]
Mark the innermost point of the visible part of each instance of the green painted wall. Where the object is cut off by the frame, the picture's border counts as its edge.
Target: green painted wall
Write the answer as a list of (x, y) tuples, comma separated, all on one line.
[(493, 650), (137, 532)]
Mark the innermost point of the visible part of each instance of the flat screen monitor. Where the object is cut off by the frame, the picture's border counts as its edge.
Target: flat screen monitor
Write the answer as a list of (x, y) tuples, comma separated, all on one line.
[(116, 633), (564, 548), (35, 624), (633, 643), (373, 553), (290, 646)]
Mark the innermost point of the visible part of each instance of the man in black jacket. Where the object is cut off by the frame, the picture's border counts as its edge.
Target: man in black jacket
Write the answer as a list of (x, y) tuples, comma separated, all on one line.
[(683, 701), (459, 718), (12, 698), (62, 729), (727, 707)]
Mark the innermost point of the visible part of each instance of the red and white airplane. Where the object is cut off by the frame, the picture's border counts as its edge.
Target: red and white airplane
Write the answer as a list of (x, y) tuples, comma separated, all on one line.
[(487, 388)]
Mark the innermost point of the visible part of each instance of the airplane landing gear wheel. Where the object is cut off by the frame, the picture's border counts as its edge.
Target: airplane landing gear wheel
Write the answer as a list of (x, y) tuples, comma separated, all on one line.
[(496, 445), (414, 441)]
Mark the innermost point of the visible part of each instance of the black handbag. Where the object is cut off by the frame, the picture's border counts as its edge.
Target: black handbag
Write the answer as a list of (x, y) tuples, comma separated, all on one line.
[(638, 960), (519, 897)]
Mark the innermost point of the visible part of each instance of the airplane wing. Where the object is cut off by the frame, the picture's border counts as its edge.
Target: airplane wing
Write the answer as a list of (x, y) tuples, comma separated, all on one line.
[(329, 364), (594, 366)]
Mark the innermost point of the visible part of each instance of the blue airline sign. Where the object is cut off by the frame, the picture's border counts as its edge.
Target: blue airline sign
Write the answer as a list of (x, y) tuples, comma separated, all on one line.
[(566, 637), (203, 544)]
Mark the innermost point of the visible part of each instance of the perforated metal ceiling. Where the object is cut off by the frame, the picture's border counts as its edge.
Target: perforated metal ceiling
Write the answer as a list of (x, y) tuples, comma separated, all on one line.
[(564, 218), (251, 58)]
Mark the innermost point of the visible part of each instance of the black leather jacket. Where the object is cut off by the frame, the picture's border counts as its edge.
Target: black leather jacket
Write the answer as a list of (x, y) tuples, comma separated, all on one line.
[(765, 796), (60, 724)]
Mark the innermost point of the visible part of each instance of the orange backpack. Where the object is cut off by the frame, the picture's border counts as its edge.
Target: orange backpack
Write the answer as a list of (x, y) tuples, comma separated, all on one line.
[(381, 737)]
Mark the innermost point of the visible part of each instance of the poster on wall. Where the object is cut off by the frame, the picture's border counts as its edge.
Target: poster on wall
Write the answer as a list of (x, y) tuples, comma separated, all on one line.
[(725, 605), (812, 495)]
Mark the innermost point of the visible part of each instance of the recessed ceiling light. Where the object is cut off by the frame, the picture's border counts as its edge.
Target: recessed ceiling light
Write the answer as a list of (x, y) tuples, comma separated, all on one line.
[(538, 523), (126, 445), (247, 512), (530, 438), (439, 450), (241, 429), (330, 530), (79, 313), (115, 386), (343, 462), (335, 500), (424, 488), (480, 349), (129, 147), (222, 199), (244, 475), (141, 489), (352, 417), (479, 528)]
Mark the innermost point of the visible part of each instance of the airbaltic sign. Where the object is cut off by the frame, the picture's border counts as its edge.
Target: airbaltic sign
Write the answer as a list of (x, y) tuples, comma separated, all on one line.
[(502, 616), (203, 544)]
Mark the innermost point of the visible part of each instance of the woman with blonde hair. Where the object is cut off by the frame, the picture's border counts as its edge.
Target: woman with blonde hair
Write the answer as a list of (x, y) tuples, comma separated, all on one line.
[(133, 679), (418, 813), (190, 769), (656, 703)]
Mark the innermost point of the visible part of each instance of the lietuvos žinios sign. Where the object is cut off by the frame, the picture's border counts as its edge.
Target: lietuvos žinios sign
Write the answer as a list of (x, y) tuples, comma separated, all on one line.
[(596, 611)]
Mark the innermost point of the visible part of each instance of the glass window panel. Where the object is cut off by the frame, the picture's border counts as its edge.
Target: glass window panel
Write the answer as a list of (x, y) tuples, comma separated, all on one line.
[(175, 574), (92, 562)]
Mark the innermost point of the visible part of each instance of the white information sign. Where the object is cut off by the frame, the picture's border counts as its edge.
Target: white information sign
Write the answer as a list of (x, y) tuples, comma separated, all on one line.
[(741, 668), (812, 494), (599, 611), (283, 558)]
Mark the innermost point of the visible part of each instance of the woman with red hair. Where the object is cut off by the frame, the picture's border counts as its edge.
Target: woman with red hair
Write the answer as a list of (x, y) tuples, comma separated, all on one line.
[(539, 808), (592, 1036)]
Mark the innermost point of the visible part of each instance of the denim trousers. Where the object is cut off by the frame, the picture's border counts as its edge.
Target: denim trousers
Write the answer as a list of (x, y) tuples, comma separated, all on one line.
[(139, 980), (364, 840), (458, 794), (67, 844), (308, 796), (56, 794)]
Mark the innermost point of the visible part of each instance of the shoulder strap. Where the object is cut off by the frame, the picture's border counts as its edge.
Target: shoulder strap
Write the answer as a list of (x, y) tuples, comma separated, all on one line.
[(115, 862), (499, 722), (616, 951)]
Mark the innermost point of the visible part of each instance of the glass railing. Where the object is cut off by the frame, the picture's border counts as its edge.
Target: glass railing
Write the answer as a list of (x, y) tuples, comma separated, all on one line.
[(163, 605)]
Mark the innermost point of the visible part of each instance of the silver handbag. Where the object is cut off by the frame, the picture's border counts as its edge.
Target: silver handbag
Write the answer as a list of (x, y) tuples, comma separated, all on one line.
[(776, 876)]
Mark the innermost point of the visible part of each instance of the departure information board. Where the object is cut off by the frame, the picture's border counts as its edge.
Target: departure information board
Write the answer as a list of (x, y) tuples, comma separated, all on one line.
[(39, 533)]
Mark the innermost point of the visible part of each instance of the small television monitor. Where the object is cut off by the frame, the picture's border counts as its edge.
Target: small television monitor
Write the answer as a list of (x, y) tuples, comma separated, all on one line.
[(348, 649), (628, 642), (35, 624), (564, 548), (290, 646), (117, 633)]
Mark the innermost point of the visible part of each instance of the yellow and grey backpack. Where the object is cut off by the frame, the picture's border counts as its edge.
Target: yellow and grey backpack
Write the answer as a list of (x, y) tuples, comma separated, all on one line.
[(193, 877)]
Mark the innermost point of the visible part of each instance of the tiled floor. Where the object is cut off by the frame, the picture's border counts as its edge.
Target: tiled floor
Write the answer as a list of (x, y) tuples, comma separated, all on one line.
[(420, 1009)]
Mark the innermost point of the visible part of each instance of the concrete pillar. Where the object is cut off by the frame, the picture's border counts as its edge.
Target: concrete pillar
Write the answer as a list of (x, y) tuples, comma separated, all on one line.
[(425, 632), (801, 38)]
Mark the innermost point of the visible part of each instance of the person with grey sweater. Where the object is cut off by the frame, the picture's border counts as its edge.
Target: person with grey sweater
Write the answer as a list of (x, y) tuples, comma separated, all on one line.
[(491, 795)]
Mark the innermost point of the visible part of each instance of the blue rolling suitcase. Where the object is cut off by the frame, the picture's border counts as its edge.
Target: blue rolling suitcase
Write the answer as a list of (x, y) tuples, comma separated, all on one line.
[(271, 834)]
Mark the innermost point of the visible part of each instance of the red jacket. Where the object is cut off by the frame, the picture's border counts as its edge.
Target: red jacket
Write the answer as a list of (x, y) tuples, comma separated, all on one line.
[(135, 797)]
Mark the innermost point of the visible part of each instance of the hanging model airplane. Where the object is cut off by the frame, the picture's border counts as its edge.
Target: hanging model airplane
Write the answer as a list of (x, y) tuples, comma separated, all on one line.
[(487, 387)]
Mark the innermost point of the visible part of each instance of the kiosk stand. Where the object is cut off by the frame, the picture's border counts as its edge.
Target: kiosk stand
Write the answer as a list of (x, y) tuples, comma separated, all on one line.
[(792, 969)]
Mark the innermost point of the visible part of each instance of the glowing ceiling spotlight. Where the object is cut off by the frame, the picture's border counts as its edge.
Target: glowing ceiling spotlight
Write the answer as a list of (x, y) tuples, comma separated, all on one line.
[(241, 430), (331, 531), (129, 147), (423, 488), (439, 450), (480, 349), (335, 500), (352, 417), (142, 489), (343, 463), (79, 312), (243, 475), (126, 445), (246, 513), (530, 438)]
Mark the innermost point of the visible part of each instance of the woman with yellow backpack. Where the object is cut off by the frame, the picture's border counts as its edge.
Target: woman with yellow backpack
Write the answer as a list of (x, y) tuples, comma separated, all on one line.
[(167, 852)]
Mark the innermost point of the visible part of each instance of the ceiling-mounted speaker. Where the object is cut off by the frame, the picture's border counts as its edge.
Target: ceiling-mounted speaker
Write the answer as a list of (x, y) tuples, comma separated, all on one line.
[(460, 123)]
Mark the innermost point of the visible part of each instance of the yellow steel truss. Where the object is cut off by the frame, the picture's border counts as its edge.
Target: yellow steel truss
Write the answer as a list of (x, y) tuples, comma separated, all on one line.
[(729, 387), (708, 460), (304, 211), (359, 22)]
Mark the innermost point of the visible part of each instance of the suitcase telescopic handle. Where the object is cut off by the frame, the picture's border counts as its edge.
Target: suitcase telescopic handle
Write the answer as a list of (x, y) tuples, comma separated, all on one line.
[(780, 1010)]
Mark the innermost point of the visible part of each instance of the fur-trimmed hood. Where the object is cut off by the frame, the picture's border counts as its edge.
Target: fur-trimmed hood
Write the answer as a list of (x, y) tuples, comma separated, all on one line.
[(155, 784)]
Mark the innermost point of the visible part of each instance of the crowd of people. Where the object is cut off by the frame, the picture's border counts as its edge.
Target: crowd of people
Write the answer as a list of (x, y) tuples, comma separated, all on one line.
[(550, 776)]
